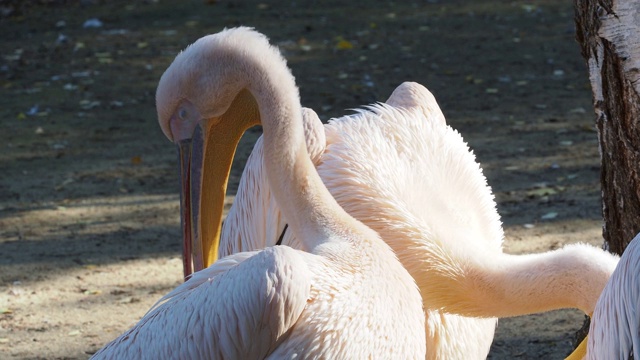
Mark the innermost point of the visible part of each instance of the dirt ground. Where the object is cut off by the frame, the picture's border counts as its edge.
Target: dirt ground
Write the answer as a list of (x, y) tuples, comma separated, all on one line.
[(89, 221)]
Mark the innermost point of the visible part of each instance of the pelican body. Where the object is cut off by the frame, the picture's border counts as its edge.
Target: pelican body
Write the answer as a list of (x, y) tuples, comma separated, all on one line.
[(402, 171), (346, 297)]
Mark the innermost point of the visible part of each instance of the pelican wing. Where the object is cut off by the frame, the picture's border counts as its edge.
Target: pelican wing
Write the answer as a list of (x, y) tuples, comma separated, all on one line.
[(430, 162), (413, 96), (615, 326), (241, 307)]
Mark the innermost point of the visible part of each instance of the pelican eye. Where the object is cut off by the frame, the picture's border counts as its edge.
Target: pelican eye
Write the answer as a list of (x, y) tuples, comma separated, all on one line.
[(183, 113)]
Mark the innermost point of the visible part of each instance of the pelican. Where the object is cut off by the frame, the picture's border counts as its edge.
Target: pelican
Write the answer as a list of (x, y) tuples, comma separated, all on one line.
[(347, 297), (402, 171), (614, 332)]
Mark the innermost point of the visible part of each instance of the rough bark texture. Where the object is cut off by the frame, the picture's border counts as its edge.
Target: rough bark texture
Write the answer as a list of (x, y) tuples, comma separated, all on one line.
[(609, 35)]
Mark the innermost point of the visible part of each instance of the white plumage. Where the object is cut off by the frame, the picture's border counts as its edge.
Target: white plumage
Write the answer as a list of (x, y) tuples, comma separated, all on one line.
[(399, 169), (615, 325), (348, 297)]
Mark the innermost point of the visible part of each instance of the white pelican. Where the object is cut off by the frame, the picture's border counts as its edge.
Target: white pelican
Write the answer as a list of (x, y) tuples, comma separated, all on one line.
[(348, 297), (399, 169), (614, 332)]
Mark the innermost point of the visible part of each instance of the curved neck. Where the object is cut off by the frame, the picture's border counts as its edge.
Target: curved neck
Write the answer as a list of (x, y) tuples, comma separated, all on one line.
[(304, 200), (503, 285), (526, 284)]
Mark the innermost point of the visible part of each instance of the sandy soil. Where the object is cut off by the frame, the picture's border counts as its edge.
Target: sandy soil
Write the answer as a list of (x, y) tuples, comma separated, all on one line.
[(89, 222)]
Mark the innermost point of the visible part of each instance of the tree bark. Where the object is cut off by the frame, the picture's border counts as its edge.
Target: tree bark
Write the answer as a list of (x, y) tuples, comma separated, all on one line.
[(608, 32)]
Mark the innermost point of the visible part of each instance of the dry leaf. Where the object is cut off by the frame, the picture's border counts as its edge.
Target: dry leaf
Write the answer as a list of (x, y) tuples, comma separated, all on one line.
[(344, 45), (129, 300), (545, 191), (62, 185)]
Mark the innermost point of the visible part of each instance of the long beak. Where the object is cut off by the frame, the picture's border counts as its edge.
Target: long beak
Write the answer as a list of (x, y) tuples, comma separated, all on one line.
[(184, 161), (580, 352), (205, 164)]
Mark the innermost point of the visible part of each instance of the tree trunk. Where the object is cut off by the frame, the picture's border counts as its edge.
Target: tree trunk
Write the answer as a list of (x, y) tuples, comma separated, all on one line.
[(608, 32), (609, 35)]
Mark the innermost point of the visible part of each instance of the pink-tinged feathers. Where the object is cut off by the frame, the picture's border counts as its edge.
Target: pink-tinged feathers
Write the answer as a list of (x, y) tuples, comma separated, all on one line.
[(348, 297), (399, 169), (264, 294)]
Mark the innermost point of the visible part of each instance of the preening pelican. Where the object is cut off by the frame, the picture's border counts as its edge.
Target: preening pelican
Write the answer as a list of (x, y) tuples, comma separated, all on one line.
[(348, 297), (402, 171), (614, 332)]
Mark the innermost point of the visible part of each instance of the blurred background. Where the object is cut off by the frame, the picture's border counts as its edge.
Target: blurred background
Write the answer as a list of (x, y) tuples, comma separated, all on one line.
[(89, 203)]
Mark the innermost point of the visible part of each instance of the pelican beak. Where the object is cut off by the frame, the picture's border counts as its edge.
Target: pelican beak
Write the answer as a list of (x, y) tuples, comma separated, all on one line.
[(184, 157), (580, 352), (205, 163)]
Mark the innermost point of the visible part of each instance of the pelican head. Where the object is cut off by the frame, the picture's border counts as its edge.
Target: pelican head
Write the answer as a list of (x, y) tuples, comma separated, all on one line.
[(196, 99)]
